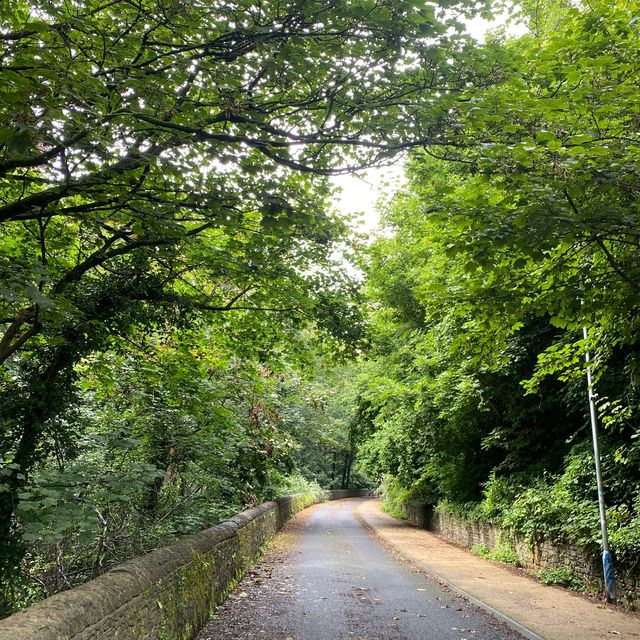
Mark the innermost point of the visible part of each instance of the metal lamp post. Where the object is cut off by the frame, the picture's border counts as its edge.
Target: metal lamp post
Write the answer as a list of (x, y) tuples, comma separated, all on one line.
[(607, 560)]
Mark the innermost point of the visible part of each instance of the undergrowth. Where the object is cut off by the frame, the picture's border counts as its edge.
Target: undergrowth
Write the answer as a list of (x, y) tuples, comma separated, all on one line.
[(561, 576), (502, 552)]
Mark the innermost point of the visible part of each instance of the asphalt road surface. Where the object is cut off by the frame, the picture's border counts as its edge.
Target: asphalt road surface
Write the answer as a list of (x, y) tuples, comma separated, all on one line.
[(328, 578)]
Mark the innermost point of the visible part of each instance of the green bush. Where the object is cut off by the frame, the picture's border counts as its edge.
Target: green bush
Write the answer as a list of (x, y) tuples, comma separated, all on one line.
[(393, 495), (502, 552), (499, 493), (561, 576), (470, 511), (505, 552), (538, 513), (624, 531), (481, 550), (296, 484)]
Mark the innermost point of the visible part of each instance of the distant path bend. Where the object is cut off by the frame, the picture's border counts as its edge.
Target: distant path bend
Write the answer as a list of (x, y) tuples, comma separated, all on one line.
[(327, 578)]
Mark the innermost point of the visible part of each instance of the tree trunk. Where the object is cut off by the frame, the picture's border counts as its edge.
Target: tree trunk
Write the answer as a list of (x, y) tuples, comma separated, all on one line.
[(349, 470), (346, 470), (28, 453)]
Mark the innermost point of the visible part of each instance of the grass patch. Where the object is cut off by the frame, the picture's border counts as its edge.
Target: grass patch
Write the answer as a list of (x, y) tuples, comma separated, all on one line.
[(502, 552), (481, 550), (561, 576)]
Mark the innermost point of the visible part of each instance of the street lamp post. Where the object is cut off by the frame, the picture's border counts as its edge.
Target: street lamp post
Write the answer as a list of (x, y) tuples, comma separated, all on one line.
[(607, 561)]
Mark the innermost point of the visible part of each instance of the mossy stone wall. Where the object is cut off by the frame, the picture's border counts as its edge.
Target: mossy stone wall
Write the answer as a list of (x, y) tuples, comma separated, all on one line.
[(167, 594), (584, 563)]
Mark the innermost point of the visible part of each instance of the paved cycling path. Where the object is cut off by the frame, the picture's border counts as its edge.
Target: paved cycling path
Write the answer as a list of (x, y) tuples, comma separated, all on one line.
[(549, 612), (327, 577)]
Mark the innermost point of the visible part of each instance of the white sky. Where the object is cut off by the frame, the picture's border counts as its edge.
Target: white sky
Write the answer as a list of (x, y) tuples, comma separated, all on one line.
[(361, 191)]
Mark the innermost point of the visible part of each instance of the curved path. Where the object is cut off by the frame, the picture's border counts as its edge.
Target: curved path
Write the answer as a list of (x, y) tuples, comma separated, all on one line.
[(327, 578)]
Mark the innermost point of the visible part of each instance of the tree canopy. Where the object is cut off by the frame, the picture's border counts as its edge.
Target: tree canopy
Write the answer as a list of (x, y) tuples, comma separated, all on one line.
[(496, 255), (183, 332), (168, 250)]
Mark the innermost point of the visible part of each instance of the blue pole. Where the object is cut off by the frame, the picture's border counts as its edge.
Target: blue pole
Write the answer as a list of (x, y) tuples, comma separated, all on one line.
[(607, 561)]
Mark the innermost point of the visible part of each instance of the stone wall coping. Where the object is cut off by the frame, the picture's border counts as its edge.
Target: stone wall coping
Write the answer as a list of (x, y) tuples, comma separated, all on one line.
[(75, 612), (70, 612), (244, 517)]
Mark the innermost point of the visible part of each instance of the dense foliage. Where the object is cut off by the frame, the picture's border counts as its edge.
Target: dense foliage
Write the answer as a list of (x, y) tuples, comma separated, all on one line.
[(168, 432), (171, 272), (500, 249), (181, 332)]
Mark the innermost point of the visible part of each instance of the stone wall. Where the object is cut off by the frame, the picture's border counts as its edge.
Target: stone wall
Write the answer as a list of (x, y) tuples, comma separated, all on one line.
[(338, 494), (584, 563), (167, 594)]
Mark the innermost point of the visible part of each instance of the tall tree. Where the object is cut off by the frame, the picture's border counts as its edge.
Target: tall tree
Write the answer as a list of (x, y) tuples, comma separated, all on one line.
[(157, 158), (503, 246)]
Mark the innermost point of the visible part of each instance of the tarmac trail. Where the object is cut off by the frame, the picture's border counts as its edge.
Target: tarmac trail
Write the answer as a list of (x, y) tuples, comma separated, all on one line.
[(326, 577)]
